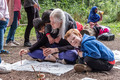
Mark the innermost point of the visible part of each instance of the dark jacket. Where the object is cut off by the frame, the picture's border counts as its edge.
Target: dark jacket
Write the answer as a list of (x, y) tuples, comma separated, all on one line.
[(64, 44), (29, 3)]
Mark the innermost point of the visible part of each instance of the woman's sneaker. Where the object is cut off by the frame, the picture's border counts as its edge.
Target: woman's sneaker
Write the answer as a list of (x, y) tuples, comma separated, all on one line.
[(3, 70), (82, 68), (4, 52), (16, 43)]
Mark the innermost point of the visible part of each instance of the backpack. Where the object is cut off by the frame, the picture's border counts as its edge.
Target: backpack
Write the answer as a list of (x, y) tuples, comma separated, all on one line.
[(106, 37), (79, 26)]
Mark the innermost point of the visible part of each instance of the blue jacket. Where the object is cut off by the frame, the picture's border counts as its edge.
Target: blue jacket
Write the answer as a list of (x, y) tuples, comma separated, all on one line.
[(95, 49)]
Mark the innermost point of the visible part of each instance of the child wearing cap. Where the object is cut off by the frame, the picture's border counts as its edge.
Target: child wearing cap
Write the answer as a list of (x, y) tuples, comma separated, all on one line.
[(93, 54)]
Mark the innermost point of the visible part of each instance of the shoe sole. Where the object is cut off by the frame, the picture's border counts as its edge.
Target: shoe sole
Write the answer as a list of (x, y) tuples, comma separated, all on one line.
[(81, 68)]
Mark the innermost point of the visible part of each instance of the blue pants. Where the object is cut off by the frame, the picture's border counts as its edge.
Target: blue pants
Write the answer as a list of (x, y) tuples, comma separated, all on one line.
[(70, 56), (0, 59), (3, 25), (13, 28)]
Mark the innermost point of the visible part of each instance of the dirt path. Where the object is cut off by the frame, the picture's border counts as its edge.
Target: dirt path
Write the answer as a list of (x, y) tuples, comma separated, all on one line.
[(25, 75)]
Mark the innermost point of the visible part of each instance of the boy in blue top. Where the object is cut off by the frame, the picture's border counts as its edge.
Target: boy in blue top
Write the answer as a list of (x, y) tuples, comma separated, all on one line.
[(94, 55)]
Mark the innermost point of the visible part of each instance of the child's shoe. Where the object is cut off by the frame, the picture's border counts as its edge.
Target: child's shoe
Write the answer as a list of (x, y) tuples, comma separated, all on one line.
[(4, 52), (82, 68), (10, 44), (3, 70)]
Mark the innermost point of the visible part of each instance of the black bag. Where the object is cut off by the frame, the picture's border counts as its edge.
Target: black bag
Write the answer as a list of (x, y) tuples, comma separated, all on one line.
[(106, 37)]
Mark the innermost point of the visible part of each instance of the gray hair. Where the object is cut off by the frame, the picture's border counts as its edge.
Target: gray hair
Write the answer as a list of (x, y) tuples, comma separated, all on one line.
[(59, 16)]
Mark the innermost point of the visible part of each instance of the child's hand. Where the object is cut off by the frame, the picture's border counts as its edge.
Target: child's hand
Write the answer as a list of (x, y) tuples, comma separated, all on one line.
[(3, 19), (23, 51), (51, 40), (80, 53), (57, 40), (48, 51)]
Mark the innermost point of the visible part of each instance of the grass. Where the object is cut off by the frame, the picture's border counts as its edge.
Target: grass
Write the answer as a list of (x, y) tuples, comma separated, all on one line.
[(115, 29), (20, 32)]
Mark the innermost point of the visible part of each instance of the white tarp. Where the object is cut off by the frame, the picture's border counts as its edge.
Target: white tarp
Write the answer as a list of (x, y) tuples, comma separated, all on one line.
[(116, 55), (54, 68), (117, 58)]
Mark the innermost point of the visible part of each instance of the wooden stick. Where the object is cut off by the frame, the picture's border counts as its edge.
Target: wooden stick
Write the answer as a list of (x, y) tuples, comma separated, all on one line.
[(21, 59), (33, 68)]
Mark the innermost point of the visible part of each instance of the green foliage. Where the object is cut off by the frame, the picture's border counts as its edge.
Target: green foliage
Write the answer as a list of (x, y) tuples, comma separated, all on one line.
[(79, 9)]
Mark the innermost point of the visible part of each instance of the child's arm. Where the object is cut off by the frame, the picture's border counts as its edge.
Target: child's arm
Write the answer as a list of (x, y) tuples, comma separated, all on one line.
[(47, 32), (50, 39), (57, 40), (91, 50)]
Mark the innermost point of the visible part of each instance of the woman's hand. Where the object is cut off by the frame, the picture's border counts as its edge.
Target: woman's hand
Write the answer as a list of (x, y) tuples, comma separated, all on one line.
[(48, 51), (51, 40), (23, 51), (57, 40)]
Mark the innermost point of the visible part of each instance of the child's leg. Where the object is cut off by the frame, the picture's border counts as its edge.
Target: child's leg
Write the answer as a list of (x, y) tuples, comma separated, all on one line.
[(1, 38), (37, 54), (3, 25), (69, 56), (13, 28), (97, 64)]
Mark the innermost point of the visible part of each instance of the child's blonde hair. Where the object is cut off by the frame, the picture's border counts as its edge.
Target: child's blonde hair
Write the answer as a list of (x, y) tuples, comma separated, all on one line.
[(72, 31)]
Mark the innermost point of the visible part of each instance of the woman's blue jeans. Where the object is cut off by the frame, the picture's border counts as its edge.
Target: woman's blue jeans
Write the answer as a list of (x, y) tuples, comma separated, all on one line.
[(13, 28), (3, 25)]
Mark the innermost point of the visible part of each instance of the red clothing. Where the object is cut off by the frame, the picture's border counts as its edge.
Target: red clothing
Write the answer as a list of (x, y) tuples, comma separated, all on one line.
[(112, 62), (17, 5)]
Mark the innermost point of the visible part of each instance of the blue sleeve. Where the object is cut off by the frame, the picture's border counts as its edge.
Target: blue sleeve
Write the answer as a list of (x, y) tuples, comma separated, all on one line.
[(91, 50)]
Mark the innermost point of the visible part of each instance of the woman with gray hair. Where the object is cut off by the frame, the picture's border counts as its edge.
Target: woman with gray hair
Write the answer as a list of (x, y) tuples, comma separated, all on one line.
[(60, 20)]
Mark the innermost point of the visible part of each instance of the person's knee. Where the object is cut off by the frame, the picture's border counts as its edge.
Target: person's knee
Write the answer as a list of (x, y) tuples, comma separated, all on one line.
[(88, 60), (72, 55), (38, 54)]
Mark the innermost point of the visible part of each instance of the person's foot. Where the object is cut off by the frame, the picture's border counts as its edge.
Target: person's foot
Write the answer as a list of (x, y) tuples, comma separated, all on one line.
[(82, 68), (27, 44), (3, 70), (10, 44), (4, 52), (61, 61), (16, 43)]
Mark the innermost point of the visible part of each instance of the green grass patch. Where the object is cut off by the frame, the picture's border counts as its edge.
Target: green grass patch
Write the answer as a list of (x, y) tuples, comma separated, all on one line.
[(20, 31)]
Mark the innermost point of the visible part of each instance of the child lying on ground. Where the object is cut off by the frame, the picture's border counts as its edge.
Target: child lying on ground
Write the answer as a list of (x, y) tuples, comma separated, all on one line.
[(94, 55)]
